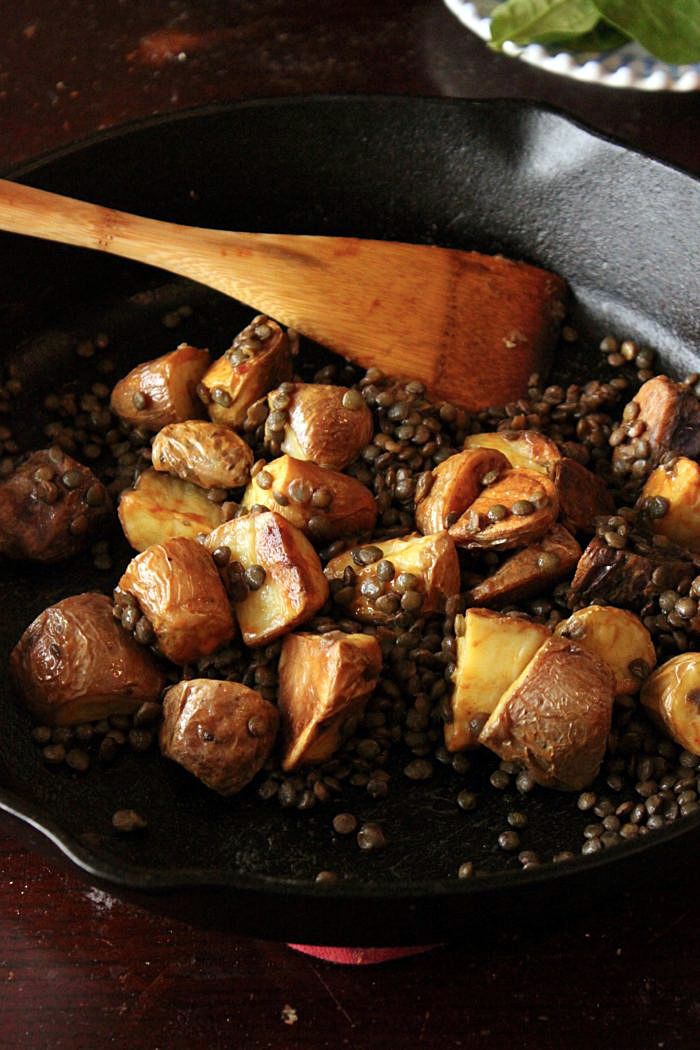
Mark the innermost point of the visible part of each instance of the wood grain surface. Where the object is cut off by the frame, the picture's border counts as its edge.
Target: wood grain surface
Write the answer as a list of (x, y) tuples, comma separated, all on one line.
[(81, 968)]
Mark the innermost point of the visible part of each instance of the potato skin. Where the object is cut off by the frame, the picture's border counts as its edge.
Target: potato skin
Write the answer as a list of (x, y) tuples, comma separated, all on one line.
[(671, 696), (180, 592), (250, 379), (582, 495), (31, 527), (474, 530), (222, 732), (671, 417), (520, 575), (620, 577), (324, 680), (457, 482), (522, 448), (208, 455), (555, 718), (168, 385), (353, 510), (322, 429), (75, 663)]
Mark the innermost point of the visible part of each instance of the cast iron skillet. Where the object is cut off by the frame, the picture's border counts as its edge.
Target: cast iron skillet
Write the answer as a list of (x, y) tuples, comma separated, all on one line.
[(495, 176)]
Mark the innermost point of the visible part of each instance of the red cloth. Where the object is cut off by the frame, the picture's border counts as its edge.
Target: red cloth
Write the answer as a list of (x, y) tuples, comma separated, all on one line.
[(360, 956)]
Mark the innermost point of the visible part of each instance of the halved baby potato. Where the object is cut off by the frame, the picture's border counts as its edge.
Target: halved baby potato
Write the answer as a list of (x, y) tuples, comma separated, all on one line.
[(75, 664), (671, 497), (424, 567), (324, 683), (555, 717), (207, 454), (671, 695), (492, 651), (285, 586), (222, 732), (329, 425), (160, 507), (670, 415), (179, 591), (516, 510), (258, 360), (457, 482), (522, 448), (618, 638), (527, 572), (324, 504), (162, 391)]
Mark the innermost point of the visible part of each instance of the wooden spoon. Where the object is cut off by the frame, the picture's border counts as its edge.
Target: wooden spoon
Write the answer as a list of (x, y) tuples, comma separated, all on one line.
[(472, 327)]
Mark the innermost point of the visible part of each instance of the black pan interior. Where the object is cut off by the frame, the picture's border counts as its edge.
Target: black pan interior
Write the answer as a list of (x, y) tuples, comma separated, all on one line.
[(495, 176)]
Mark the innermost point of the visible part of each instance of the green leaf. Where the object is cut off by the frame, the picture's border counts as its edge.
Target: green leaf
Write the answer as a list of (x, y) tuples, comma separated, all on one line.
[(669, 29), (603, 38), (523, 21)]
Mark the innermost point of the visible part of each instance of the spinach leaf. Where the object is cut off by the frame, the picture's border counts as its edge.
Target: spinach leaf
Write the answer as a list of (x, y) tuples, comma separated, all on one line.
[(669, 29), (603, 38), (525, 21)]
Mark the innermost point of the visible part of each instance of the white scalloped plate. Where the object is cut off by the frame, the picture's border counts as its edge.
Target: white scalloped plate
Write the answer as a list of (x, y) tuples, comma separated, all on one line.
[(629, 66)]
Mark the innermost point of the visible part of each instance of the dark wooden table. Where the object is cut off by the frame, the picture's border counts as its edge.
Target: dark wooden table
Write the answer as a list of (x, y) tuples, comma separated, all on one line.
[(80, 968)]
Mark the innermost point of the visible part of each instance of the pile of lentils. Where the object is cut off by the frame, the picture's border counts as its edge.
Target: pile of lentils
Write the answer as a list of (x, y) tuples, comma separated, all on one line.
[(646, 781)]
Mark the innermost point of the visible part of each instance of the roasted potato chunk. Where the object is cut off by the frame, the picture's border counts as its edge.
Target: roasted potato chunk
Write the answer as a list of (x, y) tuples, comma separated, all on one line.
[(329, 425), (527, 572), (670, 416), (671, 696), (49, 506), (75, 664), (160, 507), (671, 499), (162, 391), (492, 651), (178, 589), (555, 717), (457, 482), (272, 573), (621, 577), (324, 683), (222, 732), (258, 360), (208, 455), (513, 512), (381, 575), (323, 503), (582, 496), (522, 448), (618, 638)]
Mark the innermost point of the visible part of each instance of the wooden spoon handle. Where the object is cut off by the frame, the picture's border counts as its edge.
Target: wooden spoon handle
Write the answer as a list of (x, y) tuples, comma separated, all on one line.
[(471, 327)]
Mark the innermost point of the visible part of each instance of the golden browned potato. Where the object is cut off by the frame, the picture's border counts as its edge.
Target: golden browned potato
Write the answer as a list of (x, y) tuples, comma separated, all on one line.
[(671, 695), (258, 360), (555, 717), (582, 495), (527, 572), (75, 664), (618, 638), (178, 589), (411, 574), (667, 417), (671, 499), (222, 732), (160, 507), (162, 391), (329, 425), (323, 503), (271, 572), (522, 448), (492, 650), (622, 577), (457, 482), (208, 455), (49, 506), (324, 683), (513, 512)]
